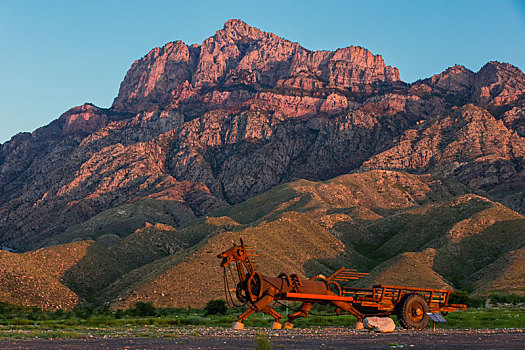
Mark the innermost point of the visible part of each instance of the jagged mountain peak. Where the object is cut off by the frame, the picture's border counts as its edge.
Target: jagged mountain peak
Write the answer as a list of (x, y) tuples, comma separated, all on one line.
[(496, 84), (237, 29), (241, 55)]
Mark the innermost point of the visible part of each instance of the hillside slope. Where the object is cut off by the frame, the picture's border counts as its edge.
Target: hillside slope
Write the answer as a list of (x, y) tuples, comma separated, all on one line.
[(408, 229)]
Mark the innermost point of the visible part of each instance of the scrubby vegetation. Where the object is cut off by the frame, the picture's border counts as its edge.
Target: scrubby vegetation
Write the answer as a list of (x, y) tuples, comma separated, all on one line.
[(216, 307), (144, 320), (462, 297)]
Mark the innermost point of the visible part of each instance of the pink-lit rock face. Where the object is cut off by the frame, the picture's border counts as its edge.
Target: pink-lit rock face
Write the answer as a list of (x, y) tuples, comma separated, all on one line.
[(284, 105), (334, 104), (497, 84), (454, 79), (84, 119), (240, 57), (151, 79)]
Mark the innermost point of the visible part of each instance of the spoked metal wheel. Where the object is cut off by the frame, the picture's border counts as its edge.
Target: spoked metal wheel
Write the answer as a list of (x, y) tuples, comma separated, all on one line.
[(413, 312)]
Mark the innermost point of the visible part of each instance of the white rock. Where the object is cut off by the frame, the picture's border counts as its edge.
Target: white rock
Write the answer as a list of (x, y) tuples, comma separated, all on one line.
[(379, 324)]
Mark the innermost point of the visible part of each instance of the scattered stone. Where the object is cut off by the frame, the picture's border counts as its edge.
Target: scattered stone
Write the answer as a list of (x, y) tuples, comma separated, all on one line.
[(276, 325), (238, 325)]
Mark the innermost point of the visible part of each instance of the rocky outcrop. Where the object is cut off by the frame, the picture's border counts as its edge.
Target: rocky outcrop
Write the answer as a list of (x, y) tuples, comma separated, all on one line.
[(151, 80), (214, 124), (497, 84), (83, 120), (468, 144), (454, 79)]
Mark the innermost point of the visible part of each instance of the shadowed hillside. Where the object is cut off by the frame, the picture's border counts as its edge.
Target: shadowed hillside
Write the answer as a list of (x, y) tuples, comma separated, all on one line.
[(414, 230)]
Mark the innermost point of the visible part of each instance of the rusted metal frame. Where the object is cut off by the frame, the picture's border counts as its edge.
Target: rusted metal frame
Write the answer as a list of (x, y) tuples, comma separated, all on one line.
[(334, 275), (413, 288), (366, 297), (344, 274), (453, 307), (389, 306), (383, 294), (357, 290), (240, 270), (435, 307), (398, 296), (447, 296), (314, 297), (380, 298)]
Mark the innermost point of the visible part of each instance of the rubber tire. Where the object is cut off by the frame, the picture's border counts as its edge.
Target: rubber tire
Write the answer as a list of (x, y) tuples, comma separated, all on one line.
[(407, 304)]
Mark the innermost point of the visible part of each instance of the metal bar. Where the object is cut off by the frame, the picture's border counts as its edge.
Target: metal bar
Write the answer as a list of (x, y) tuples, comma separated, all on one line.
[(382, 294), (305, 296), (413, 288), (453, 307)]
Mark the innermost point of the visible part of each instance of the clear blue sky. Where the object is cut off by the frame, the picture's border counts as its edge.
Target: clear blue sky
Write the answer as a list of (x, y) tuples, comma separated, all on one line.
[(58, 54)]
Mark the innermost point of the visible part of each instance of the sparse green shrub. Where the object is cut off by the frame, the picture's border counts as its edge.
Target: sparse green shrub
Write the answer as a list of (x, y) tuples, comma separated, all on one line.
[(84, 311), (58, 314), (262, 342), (216, 307), (459, 297), (171, 311), (192, 320), (21, 322), (103, 310), (462, 297), (145, 309), (119, 314), (507, 299)]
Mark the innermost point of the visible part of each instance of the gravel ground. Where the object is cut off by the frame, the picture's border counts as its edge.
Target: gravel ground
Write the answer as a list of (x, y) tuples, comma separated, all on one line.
[(311, 338)]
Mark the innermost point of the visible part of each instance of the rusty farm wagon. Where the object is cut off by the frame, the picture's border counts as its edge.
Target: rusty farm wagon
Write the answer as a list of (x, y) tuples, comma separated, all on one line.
[(411, 305)]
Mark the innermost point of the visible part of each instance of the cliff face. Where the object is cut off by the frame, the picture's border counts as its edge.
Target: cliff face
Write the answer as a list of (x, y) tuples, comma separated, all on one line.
[(240, 55), (214, 124)]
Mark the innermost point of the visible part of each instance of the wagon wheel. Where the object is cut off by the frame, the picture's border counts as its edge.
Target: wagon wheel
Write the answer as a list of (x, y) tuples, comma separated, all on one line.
[(413, 312)]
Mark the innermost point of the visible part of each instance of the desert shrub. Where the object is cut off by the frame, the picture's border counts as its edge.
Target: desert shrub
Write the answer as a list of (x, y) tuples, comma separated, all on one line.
[(145, 309), (462, 297), (506, 299), (459, 297), (262, 342), (169, 311), (119, 314), (84, 312), (216, 307)]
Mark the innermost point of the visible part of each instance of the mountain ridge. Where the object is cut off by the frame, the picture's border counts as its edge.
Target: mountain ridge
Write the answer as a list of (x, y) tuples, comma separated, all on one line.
[(211, 125)]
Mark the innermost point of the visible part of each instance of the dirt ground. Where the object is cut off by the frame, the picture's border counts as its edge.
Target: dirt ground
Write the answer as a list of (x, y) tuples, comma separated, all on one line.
[(312, 338)]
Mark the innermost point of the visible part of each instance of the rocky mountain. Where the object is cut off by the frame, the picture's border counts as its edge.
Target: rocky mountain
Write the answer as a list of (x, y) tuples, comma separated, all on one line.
[(196, 129), (183, 116)]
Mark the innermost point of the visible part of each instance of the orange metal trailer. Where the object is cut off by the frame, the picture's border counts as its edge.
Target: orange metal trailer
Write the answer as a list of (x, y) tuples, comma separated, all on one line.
[(411, 305)]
